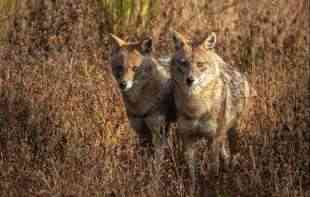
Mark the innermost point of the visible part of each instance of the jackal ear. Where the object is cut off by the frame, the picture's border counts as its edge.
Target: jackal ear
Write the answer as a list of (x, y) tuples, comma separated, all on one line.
[(147, 46), (118, 41), (179, 40), (210, 41)]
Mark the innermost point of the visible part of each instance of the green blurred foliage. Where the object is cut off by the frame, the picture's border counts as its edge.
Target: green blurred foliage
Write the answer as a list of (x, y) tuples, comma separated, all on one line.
[(129, 15), (119, 15)]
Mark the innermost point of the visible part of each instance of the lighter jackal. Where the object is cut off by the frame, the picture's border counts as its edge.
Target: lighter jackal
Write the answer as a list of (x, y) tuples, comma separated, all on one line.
[(146, 90), (210, 98)]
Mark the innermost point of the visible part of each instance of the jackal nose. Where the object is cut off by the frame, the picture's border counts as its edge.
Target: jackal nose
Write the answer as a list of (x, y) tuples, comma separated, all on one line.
[(190, 80), (122, 85)]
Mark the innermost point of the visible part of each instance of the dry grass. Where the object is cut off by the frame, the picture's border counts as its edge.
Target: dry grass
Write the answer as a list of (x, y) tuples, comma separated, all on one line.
[(63, 129), (6, 10)]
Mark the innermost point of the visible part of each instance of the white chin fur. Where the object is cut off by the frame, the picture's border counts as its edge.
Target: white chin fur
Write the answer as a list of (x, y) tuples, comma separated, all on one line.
[(129, 85), (165, 60), (200, 83)]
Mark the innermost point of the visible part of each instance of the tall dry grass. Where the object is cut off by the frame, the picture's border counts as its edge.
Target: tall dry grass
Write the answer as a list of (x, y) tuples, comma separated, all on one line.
[(63, 129), (6, 10)]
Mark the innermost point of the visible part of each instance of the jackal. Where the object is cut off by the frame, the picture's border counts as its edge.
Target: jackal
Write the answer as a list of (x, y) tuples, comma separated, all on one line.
[(146, 90), (210, 98)]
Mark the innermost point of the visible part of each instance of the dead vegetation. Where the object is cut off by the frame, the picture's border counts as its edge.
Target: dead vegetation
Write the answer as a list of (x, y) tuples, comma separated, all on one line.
[(63, 129)]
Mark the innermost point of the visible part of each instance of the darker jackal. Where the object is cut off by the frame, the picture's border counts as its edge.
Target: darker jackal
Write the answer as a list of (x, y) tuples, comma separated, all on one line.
[(146, 90)]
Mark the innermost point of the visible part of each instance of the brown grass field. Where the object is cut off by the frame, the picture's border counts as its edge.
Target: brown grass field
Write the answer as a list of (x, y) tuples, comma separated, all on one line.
[(63, 128)]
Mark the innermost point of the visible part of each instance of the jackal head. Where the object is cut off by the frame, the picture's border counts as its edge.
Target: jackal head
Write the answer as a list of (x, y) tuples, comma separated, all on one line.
[(194, 66), (126, 62)]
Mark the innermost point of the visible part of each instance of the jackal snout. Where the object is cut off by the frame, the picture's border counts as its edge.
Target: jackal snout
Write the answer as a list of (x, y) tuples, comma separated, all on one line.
[(124, 74), (125, 85), (190, 80)]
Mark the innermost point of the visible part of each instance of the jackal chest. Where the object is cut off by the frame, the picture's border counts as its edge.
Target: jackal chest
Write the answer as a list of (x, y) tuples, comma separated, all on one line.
[(196, 127), (193, 107)]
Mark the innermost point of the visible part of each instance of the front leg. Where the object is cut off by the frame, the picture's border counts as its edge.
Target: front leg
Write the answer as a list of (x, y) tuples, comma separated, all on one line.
[(214, 157), (227, 143), (157, 124), (225, 152), (188, 131), (190, 156), (143, 132)]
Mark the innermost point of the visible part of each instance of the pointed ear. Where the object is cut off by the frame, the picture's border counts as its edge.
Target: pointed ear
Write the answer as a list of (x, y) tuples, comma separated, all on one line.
[(119, 42), (179, 40), (210, 41), (147, 46)]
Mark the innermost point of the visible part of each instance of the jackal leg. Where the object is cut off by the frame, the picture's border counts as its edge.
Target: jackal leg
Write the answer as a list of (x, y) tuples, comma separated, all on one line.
[(225, 151), (190, 156), (232, 140), (214, 156), (143, 132), (157, 124), (210, 183)]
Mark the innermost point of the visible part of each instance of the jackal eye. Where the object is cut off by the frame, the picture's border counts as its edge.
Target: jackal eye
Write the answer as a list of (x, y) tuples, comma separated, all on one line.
[(200, 64), (135, 68)]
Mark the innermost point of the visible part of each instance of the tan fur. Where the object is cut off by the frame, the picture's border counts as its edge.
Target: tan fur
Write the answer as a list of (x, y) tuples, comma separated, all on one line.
[(148, 97), (210, 97)]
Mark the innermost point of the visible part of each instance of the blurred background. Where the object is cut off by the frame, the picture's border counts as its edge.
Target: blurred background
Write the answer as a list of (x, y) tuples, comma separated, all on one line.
[(63, 128)]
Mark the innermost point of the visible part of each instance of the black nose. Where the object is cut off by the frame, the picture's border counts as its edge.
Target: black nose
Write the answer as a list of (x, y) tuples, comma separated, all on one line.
[(122, 84), (190, 81)]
